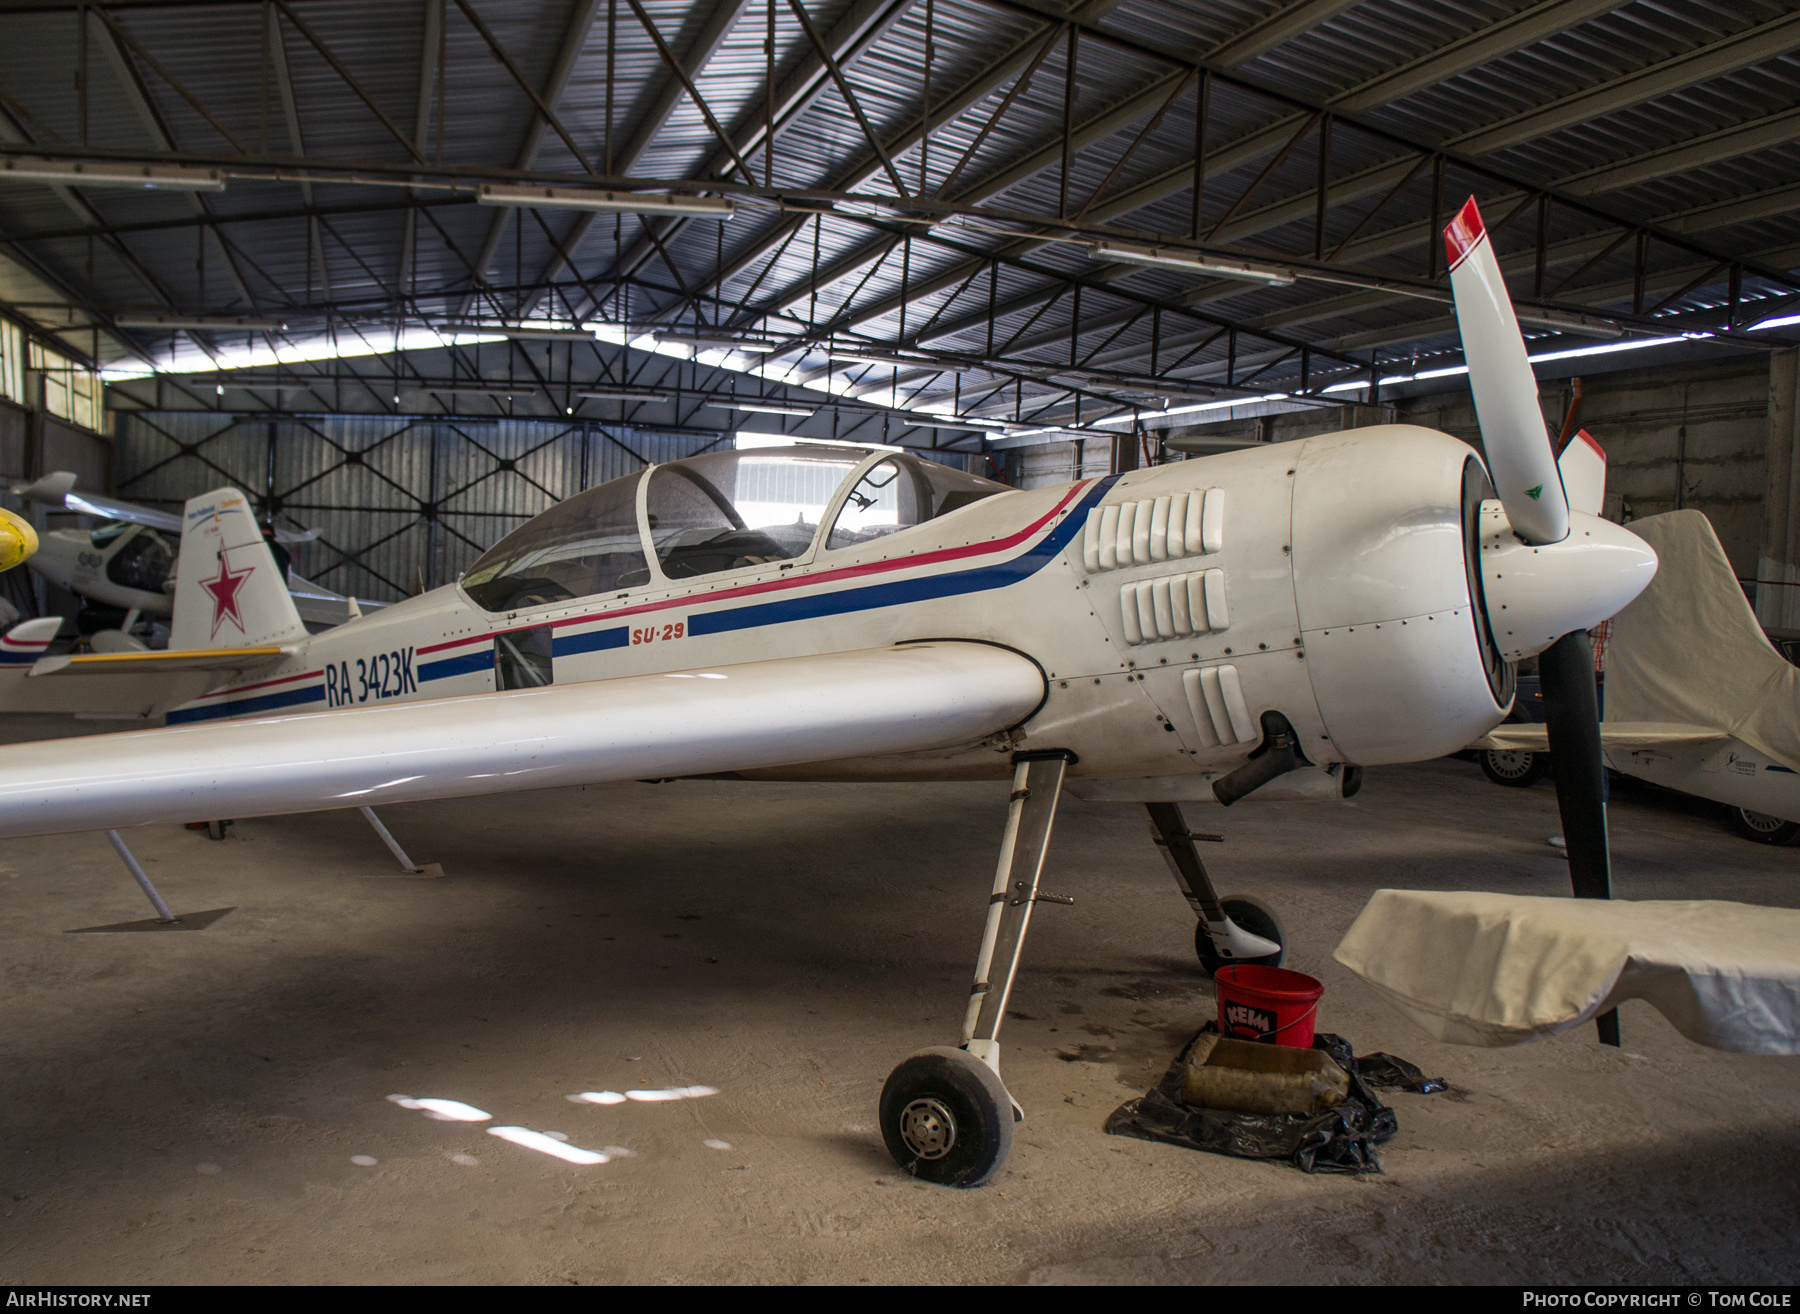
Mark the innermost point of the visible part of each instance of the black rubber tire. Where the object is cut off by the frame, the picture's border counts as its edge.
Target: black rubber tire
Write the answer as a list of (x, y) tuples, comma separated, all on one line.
[(1254, 916), (1516, 769), (1763, 828), (967, 1094)]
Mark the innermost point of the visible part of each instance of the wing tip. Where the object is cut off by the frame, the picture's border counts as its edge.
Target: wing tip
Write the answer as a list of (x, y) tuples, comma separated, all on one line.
[(1463, 233)]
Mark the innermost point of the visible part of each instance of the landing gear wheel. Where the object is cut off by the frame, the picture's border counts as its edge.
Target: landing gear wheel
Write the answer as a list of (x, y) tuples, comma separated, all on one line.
[(1763, 828), (1252, 915), (946, 1118), (1517, 768)]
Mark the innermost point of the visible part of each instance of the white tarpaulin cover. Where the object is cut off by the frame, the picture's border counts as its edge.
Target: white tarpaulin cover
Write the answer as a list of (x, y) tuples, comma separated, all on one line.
[(1500, 969), (1689, 650)]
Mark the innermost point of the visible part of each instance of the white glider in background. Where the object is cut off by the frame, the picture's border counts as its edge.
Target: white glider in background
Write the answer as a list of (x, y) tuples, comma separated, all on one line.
[(129, 563)]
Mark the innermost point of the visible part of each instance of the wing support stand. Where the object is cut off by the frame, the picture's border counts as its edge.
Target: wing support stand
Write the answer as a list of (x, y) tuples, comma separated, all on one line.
[(407, 865), (165, 920), (945, 1114), (1234, 929)]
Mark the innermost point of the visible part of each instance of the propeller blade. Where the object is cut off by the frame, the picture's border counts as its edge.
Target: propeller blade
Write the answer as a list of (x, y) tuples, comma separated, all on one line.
[(1519, 454), (1583, 468), (1572, 713), (1571, 418)]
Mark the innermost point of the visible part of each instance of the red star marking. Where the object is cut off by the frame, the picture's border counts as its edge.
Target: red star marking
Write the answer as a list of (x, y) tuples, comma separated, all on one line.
[(224, 592)]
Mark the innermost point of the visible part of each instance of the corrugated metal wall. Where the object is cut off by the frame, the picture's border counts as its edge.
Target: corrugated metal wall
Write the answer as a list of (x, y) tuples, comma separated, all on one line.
[(399, 503)]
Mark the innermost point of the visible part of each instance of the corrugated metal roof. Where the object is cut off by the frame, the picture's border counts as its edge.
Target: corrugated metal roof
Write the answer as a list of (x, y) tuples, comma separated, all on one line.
[(1633, 80)]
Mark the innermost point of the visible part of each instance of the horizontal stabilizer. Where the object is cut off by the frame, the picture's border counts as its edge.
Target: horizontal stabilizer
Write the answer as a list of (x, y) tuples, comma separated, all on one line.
[(25, 642), (137, 663), (787, 712), (1531, 738)]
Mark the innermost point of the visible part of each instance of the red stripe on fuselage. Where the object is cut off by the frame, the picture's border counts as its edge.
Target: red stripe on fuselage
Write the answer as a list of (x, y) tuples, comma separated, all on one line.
[(798, 581), (246, 688)]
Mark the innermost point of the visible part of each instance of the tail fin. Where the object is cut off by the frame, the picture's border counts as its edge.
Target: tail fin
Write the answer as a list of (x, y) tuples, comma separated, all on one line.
[(229, 593)]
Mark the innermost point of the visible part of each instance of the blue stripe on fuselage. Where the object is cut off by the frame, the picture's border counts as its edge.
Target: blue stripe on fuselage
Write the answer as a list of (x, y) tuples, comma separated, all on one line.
[(314, 693), (974, 580), (567, 645), (482, 659)]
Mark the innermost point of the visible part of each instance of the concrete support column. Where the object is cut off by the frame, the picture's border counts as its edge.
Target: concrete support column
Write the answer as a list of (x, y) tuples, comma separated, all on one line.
[(1778, 564)]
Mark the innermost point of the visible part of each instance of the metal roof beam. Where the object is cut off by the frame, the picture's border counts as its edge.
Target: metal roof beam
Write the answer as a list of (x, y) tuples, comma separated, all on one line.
[(1767, 41), (1542, 20), (290, 115), (795, 93), (720, 20), (574, 38), (431, 37), (1527, 27), (114, 42), (1697, 152), (1277, 29)]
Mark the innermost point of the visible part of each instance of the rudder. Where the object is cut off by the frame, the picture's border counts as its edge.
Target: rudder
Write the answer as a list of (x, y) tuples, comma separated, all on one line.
[(229, 593)]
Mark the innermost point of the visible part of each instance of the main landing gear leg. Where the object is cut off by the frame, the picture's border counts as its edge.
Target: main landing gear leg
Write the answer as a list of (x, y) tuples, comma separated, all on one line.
[(1235, 929), (945, 1115)]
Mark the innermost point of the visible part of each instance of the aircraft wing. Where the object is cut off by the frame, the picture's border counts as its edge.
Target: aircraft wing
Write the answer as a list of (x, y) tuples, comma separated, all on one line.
[(1532, 738), (785, 712), (58, 489)]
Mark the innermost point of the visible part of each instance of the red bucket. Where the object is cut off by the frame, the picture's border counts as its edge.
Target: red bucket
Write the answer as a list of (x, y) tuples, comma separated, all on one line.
[(1268, 1004)]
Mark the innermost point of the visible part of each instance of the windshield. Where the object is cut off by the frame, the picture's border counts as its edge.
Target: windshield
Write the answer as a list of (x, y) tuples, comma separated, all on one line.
[(143, 563), (728, 510), (901, 492), (586, 545)]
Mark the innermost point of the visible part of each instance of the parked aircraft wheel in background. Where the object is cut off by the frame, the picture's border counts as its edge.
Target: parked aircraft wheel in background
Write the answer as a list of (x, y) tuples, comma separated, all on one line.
[(1252, 915), (1517, 768), (1763, 828), (946, 1118)]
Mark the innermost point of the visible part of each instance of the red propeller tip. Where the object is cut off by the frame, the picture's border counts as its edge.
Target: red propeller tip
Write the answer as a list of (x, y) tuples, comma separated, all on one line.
[(1463, 232)]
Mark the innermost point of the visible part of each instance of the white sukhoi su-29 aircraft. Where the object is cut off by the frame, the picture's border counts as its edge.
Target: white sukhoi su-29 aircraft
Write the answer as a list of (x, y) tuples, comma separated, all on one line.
[(1288, 613)]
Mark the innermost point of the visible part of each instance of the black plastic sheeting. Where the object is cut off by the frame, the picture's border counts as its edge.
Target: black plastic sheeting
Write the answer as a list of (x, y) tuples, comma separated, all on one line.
[(1340, 1140)]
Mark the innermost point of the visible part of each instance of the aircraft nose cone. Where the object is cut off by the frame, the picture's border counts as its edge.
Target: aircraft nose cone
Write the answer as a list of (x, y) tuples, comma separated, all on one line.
[(1537, 594), (18, 540)]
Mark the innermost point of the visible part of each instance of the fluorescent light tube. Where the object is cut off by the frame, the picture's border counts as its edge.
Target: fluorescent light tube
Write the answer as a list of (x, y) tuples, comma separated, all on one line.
[(723, 340), (575, 198), (525, 331), (761, 408), (623, 395), (1193, 262), (110, 173), (219, 323), (1586, 326)]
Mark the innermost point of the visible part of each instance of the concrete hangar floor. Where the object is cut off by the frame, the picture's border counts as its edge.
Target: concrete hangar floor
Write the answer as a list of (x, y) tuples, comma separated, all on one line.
[(205, 1107)]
